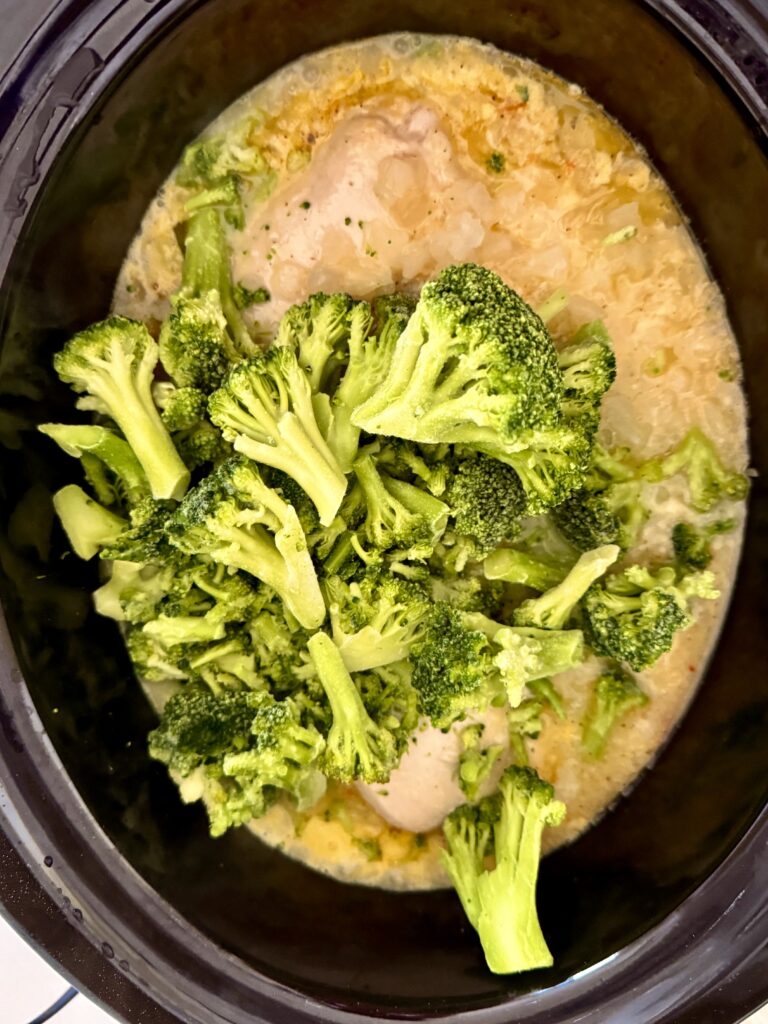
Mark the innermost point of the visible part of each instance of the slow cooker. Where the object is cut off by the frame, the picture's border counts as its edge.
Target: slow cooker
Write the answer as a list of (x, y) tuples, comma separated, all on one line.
[(660, 913)]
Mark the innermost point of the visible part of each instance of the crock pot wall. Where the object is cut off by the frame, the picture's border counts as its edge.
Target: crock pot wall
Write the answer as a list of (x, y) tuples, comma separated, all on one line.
[(330, 940)]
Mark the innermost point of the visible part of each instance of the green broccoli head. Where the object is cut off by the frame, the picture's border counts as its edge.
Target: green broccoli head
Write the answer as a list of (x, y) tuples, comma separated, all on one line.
[(377, 618), (500, 902), (322, 331), (589, 368), (634, 616), (265, 408), (399, 517), (195, 347), (608, 509), (615, 693), (244, 747), (474, 365), (112, 364), (453, 670), (486, 500), (234, 518), (691, 546)]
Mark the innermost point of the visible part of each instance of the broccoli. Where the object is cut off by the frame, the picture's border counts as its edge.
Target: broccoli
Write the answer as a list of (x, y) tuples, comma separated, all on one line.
[(398, 515), (201, 613), (370, 348), (246, 297), (113, 363), (426, 467), (226, 665), (474, 365), (87, 524), (709, 482), (615, 693), (376, 619), (391, 700), (235, 519), (514, 566), (589, 368), (634, 616), (608, 508), (554, 608), (184, 413), (244, 748), (356, 747), (453, 670), (143, 539), (691, 546), (486, 501), (133, 591), (152, 662), (524, 722), (265, 408), (545, 691), (130, 481), (475, 762), (526, 653), (500, 903), (320, 330)]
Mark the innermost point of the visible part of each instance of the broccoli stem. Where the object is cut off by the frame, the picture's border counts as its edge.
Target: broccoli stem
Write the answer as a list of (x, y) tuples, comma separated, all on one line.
[(206, 267), (553, 609), (87, 524), (553, 305), (517, 567), (353, 746), (106, 446)]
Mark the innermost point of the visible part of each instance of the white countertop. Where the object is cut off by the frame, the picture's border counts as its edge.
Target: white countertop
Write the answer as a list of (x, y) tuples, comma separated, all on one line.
[(30, 986)]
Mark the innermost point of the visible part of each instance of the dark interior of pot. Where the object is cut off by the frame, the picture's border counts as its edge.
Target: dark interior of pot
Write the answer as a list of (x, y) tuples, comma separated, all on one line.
[(335, 942)]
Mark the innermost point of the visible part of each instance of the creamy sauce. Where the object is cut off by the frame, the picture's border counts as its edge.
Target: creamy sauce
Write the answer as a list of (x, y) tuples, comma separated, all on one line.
[(380, 154)]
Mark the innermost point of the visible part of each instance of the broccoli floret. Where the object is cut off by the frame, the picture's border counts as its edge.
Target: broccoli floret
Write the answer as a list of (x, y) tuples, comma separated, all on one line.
[(525, 722), (265, 408), (475, 762), (88, 525), (554, 608), (709, 482), (545, 691), (474, 365), (486, 501), (227, 665), (523, 654), (369, 347), (453, 670), (398, 516), (514, 566), (112, 363), (500, 903), (589, 368), (391, 700), (615, 693), (133, 591), (144, 539), (244, 749), (691, 545), (423, 466), (608, 509), (203, 611), (129, 479), (184, 412), (634, 616), (376, 619), (246, 297), (321, 330), (356, 746), (197, 344), (235, 519), (152, 662)]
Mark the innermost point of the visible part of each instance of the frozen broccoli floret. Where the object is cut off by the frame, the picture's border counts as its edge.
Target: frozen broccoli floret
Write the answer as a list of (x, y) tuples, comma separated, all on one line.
[(265, 408), (615, 693), (235, 519), (709, 482), (554, 608), (475, 761), (112, 364), (500, 902), (88, 525)]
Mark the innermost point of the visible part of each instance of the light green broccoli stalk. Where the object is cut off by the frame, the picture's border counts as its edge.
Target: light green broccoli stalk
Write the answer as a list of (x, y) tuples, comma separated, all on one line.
[(709, 482), (500, 902), (128, 480), (475, 762), (88, 525)]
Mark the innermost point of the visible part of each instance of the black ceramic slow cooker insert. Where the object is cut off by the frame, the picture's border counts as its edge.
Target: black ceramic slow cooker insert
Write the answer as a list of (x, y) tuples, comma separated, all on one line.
[(659, 914)]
